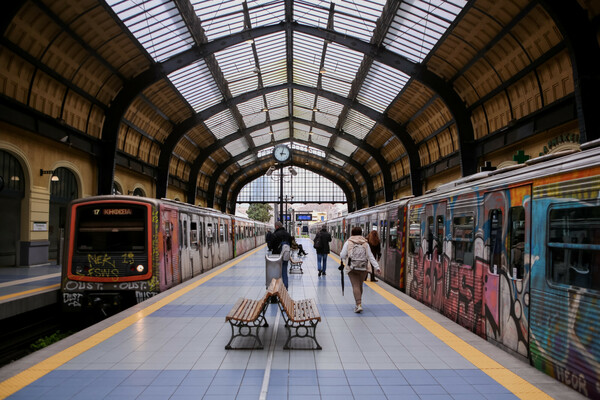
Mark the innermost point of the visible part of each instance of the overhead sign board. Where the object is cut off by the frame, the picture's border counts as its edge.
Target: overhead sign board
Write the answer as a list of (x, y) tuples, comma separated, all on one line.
[(303, 217)]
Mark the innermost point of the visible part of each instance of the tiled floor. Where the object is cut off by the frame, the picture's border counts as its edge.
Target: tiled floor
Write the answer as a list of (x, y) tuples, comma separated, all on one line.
[(177, 351)]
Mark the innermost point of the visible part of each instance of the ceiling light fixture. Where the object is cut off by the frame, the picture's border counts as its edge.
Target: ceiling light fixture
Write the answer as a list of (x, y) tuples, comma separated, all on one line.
[(322, 70), (265, 109)]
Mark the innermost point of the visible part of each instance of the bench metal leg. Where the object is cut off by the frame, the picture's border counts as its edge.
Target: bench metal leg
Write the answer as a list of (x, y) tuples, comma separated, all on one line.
[(247, 329)]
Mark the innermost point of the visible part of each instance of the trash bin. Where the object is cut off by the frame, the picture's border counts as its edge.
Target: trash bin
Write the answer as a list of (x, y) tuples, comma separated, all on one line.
[(272, 267)]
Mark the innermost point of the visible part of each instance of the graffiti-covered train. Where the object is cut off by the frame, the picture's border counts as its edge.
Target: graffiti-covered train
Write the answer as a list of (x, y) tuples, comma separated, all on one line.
[(120, 250), (512, 255)]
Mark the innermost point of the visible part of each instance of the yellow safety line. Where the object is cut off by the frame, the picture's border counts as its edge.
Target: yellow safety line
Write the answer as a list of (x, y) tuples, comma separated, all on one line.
[(35, 372), (511, 381), (10, 296)]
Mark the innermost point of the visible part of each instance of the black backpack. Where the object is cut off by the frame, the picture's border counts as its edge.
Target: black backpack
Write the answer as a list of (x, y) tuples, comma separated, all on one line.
[(317, 245)]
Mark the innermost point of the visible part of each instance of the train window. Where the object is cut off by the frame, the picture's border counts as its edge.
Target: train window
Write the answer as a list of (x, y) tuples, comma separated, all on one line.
[(393, 234), (383, 232), (209, 233), (185, 233), (516, 234), (462, 239), (496, 245), (111, 228), (194, 233), (221, 233), (414, 234), (439, 234), (574, 246), (430, 235)]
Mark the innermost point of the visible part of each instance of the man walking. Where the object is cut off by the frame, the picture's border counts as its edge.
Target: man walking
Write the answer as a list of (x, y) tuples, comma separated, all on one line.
[(321, 245)]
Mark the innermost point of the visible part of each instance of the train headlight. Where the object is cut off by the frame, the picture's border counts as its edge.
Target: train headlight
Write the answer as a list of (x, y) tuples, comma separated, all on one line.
[(140, 268)]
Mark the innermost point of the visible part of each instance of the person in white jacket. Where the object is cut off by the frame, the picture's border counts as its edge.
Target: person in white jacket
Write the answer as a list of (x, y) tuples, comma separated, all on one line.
[(357, 277)]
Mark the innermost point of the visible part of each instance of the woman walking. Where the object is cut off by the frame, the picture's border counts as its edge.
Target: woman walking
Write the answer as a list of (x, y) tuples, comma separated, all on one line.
[(359, 261)]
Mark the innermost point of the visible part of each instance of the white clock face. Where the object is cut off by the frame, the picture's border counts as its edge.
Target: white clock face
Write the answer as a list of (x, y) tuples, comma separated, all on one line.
[(282, 153)]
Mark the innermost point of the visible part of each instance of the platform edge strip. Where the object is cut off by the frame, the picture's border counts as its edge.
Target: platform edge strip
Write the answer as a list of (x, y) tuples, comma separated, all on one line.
[(511, 381)]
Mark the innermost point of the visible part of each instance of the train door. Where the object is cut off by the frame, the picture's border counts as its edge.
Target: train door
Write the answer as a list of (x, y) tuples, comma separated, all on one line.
[(185, 247), (210, 238), (415, 252), (435, 262), (195, 252), (170, 243), (383, 239), (393, 262), (505, 291)]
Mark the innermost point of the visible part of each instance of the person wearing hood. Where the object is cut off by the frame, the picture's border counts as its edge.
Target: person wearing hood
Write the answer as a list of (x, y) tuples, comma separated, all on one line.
[(359, 261)]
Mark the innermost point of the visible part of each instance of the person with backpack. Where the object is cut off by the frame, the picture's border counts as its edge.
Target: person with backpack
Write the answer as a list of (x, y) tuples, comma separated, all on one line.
[(280, 244), (359, 261), (321, 245)]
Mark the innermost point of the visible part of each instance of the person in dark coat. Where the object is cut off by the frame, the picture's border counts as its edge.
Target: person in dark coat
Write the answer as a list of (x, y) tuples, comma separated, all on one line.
[(321, 245), (281, 237), (375, 245), (268, 239)]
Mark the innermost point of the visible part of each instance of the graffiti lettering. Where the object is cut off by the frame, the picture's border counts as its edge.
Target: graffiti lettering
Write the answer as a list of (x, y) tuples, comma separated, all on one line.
[(104, 273), (73, 285), (128, 258), (72, 299), (141, 296), (577, 382), (99, 260)]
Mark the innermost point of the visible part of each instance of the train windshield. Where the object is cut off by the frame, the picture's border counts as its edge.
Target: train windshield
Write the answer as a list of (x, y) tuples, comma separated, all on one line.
[(111, 227)]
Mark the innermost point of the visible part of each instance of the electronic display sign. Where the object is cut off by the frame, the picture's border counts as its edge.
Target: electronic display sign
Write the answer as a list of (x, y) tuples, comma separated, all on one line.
[(303, 217)]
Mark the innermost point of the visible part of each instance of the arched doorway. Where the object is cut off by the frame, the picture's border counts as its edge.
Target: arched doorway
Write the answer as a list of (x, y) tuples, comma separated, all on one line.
[(11, 196), (62, 191)]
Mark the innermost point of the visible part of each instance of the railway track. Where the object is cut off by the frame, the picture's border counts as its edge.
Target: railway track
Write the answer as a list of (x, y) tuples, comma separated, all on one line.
[(21, 331)]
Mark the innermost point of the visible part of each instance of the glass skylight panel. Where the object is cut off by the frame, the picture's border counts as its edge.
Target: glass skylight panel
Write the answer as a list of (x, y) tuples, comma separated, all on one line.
[(219, 18), (268, 12), (357, 18), (261, 136), (336, 161), (156, 24), (313, 13), (279, 112), (222, 124), (341, 66), (319, 140), (278, 99), (329, 112), (301, 135), (237, 147), (303, 113), (357, 124), (244, 162), (304, 99), (419, 25), (238, 67), (381, 86), (321, 132), (265, 152), (252, 112), (344, 147), (307, 59), (271, 52), (197, 86)]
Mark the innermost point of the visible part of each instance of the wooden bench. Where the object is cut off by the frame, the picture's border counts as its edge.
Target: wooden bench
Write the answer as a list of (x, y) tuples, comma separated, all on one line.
[(295, 263), (300, 315), (247, 316)]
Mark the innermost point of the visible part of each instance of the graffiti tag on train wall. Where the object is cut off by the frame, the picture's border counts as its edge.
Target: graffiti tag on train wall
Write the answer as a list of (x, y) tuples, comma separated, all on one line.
[(73, 286), (569, 378), (72, 299), (141, 296)]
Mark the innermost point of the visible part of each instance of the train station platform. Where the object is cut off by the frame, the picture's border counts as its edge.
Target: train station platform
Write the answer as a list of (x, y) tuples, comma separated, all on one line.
[(24, 289), (172, 346)]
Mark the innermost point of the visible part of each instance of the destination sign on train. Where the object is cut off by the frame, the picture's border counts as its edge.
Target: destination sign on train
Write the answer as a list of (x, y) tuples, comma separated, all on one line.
[(117, 211)]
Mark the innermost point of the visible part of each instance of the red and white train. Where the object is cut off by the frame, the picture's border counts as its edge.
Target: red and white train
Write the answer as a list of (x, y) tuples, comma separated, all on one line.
[(120, 250)]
